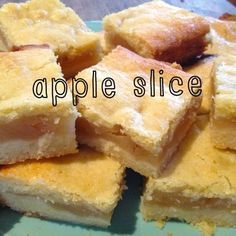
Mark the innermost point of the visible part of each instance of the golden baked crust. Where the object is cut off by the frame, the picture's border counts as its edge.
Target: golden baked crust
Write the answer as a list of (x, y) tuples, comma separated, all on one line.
[(224, 103), (204, 68), (89, 183), (38, 22), (150, 123), (157, 30), (223, 35), (198, 185), (31, 127)]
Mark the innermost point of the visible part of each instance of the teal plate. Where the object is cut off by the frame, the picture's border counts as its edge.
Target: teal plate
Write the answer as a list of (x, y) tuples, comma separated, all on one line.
[(126, 220)]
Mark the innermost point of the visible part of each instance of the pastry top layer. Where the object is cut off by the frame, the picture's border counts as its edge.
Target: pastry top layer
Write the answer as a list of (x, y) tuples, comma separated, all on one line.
[(225, 84), (148, 121), (88, 177), (158, 25), (43, 22), (18, 72), (198, 168)]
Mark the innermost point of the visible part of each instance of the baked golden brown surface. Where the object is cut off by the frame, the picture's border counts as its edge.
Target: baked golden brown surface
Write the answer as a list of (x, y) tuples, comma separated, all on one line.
[(31, 127), (80, 188), (39, 22), (142, 132), (157, 30), (199, 185)]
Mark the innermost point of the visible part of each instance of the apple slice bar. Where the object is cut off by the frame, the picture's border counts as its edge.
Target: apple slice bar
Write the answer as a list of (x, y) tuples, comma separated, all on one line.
[(158, 30), (141, 132), (32, 128), (199, 185), (79, 188)]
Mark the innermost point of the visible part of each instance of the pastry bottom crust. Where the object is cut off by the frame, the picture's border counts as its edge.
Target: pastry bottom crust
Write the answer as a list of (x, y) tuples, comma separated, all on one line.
[(35, 206), (223, 133)]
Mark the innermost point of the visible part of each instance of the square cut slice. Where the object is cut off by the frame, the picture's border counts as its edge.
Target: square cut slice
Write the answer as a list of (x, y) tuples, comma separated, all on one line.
[(204, 68), (223, 117), (141, 132), (198, 186), (79, 188), (31, 128), (37, 22), (223, 37), (158, 30)]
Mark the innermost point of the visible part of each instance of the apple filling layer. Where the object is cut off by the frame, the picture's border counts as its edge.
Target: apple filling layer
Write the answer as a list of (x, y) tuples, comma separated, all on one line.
[(27, 128), (179, 201), (213, 211)]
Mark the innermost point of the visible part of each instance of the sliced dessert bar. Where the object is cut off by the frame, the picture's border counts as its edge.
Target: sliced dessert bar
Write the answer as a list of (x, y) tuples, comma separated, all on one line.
[(32, 128), (79, 188), (141, 132), (158, 30), (198, 186)]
